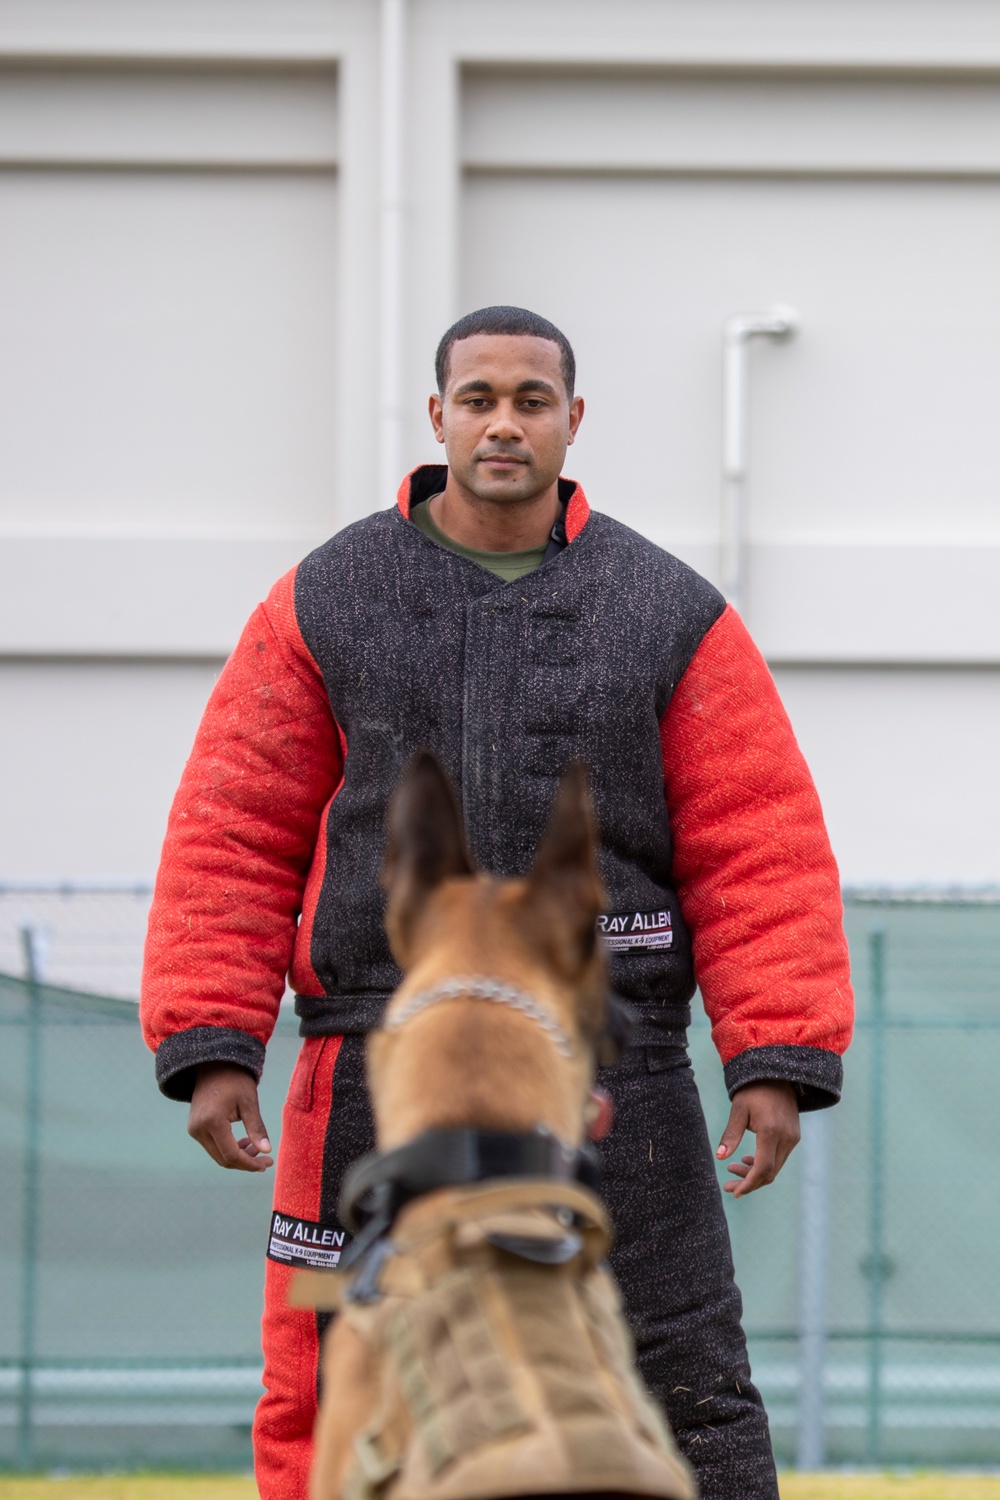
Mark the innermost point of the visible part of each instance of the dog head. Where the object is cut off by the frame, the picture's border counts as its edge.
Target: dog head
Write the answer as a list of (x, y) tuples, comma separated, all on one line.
[(536, 934)]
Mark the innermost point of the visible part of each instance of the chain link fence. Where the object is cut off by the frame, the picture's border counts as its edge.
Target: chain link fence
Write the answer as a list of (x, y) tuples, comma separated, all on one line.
[(86, 935), (132, 1267), (869, 1270)]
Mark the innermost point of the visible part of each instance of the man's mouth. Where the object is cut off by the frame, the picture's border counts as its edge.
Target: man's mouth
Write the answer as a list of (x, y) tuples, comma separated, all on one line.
[(502, 460)]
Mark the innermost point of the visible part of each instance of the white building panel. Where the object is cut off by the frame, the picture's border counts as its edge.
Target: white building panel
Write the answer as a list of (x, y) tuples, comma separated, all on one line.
[(710, 117), (874, 522), (202, 364), (169, 115), (142, 597), (168, 281), (92, 753), (905, 763), (169, 351)]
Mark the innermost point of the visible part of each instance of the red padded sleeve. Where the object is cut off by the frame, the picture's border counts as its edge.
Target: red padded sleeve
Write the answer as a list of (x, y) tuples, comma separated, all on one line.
[(241, 836), (753, 867)]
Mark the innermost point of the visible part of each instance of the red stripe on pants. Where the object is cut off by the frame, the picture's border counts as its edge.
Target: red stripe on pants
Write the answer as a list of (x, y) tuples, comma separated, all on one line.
[(283, 1423)]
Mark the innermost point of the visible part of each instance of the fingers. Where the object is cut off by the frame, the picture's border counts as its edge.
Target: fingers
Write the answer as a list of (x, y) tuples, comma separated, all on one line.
[(740, 1168), (216, 1136), (761, 1168), (771, 1111), (252, 1122), (223, 1095), (246, 1145), (739, 1120), (774, 1147), (223, 1147)]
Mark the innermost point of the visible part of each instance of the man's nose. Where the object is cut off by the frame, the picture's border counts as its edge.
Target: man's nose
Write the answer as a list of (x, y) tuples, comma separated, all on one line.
[(505, 425)]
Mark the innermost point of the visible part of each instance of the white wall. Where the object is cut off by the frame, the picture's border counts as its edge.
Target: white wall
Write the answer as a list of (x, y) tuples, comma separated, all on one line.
[(872, 431), (189, 352), (175, 336), (169, 380), (92, 752), (905, 762)]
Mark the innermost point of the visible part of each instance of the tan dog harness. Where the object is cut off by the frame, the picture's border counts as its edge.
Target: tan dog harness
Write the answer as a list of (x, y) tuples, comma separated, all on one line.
[(504, 1366)]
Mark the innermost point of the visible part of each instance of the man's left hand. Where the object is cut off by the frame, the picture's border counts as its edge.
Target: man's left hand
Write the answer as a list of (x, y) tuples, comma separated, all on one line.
[(771, 1111)]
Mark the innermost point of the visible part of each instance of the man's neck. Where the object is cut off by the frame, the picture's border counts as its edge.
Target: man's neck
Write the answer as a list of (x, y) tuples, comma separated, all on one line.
[(495, 526)]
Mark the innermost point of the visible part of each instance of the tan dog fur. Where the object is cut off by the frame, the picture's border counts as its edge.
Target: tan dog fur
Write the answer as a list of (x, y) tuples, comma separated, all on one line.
[(463, 1062)]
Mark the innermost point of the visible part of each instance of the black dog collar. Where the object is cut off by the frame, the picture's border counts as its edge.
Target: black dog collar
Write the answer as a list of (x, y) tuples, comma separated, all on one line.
[(378, 1186), (455, 1158)]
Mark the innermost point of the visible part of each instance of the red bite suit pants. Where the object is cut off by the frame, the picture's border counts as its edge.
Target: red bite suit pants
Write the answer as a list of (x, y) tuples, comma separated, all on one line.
[(284, 1419), (326, 1125)]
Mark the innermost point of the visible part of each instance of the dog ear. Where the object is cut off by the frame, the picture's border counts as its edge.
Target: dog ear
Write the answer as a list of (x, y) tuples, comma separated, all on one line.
[(425, 844), (564, 883)]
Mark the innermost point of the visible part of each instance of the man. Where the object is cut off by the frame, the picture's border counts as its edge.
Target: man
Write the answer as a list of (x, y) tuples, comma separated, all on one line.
[(494, 618)]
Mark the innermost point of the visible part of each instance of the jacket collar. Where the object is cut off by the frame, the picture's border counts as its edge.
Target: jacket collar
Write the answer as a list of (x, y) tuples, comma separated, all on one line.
[(430, 479)]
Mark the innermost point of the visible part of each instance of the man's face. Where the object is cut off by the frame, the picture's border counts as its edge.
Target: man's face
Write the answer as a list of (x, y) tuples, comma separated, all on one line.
[(505, 418)]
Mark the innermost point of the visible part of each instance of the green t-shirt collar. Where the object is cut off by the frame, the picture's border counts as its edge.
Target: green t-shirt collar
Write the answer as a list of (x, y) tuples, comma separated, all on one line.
[(506, 565)]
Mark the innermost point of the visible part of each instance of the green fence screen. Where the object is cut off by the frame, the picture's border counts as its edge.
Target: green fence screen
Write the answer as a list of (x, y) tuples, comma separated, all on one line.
[(131, 1266)]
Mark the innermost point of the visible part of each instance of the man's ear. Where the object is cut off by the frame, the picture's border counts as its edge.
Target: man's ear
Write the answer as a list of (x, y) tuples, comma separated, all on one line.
[(564, 885), (425, 844)]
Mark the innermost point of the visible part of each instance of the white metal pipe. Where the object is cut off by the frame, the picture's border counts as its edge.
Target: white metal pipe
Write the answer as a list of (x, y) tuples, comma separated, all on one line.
[(34, 948), (814, 1256), (775, 323), (392, 215)]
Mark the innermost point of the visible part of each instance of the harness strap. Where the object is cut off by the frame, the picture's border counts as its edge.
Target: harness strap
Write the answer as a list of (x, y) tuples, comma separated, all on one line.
[(494, 1198), (498, 1213), (379, 1185)]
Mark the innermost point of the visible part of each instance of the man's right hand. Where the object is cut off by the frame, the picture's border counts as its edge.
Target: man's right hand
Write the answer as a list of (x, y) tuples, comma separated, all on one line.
[(222, 1095)]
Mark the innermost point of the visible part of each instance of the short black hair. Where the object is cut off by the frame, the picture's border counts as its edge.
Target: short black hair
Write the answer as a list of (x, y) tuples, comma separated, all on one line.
[(505, 320)]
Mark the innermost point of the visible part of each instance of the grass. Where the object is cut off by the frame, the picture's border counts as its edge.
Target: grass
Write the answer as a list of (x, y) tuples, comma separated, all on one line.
[(236, 1487), (889, 1487), (131, 1487)]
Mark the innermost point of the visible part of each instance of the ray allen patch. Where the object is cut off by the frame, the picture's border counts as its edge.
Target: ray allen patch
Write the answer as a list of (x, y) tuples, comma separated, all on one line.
[(300, 1242), (636, 931)]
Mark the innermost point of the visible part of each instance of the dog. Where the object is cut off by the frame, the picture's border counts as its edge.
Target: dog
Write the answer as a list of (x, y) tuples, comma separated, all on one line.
[(480, 1349)]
